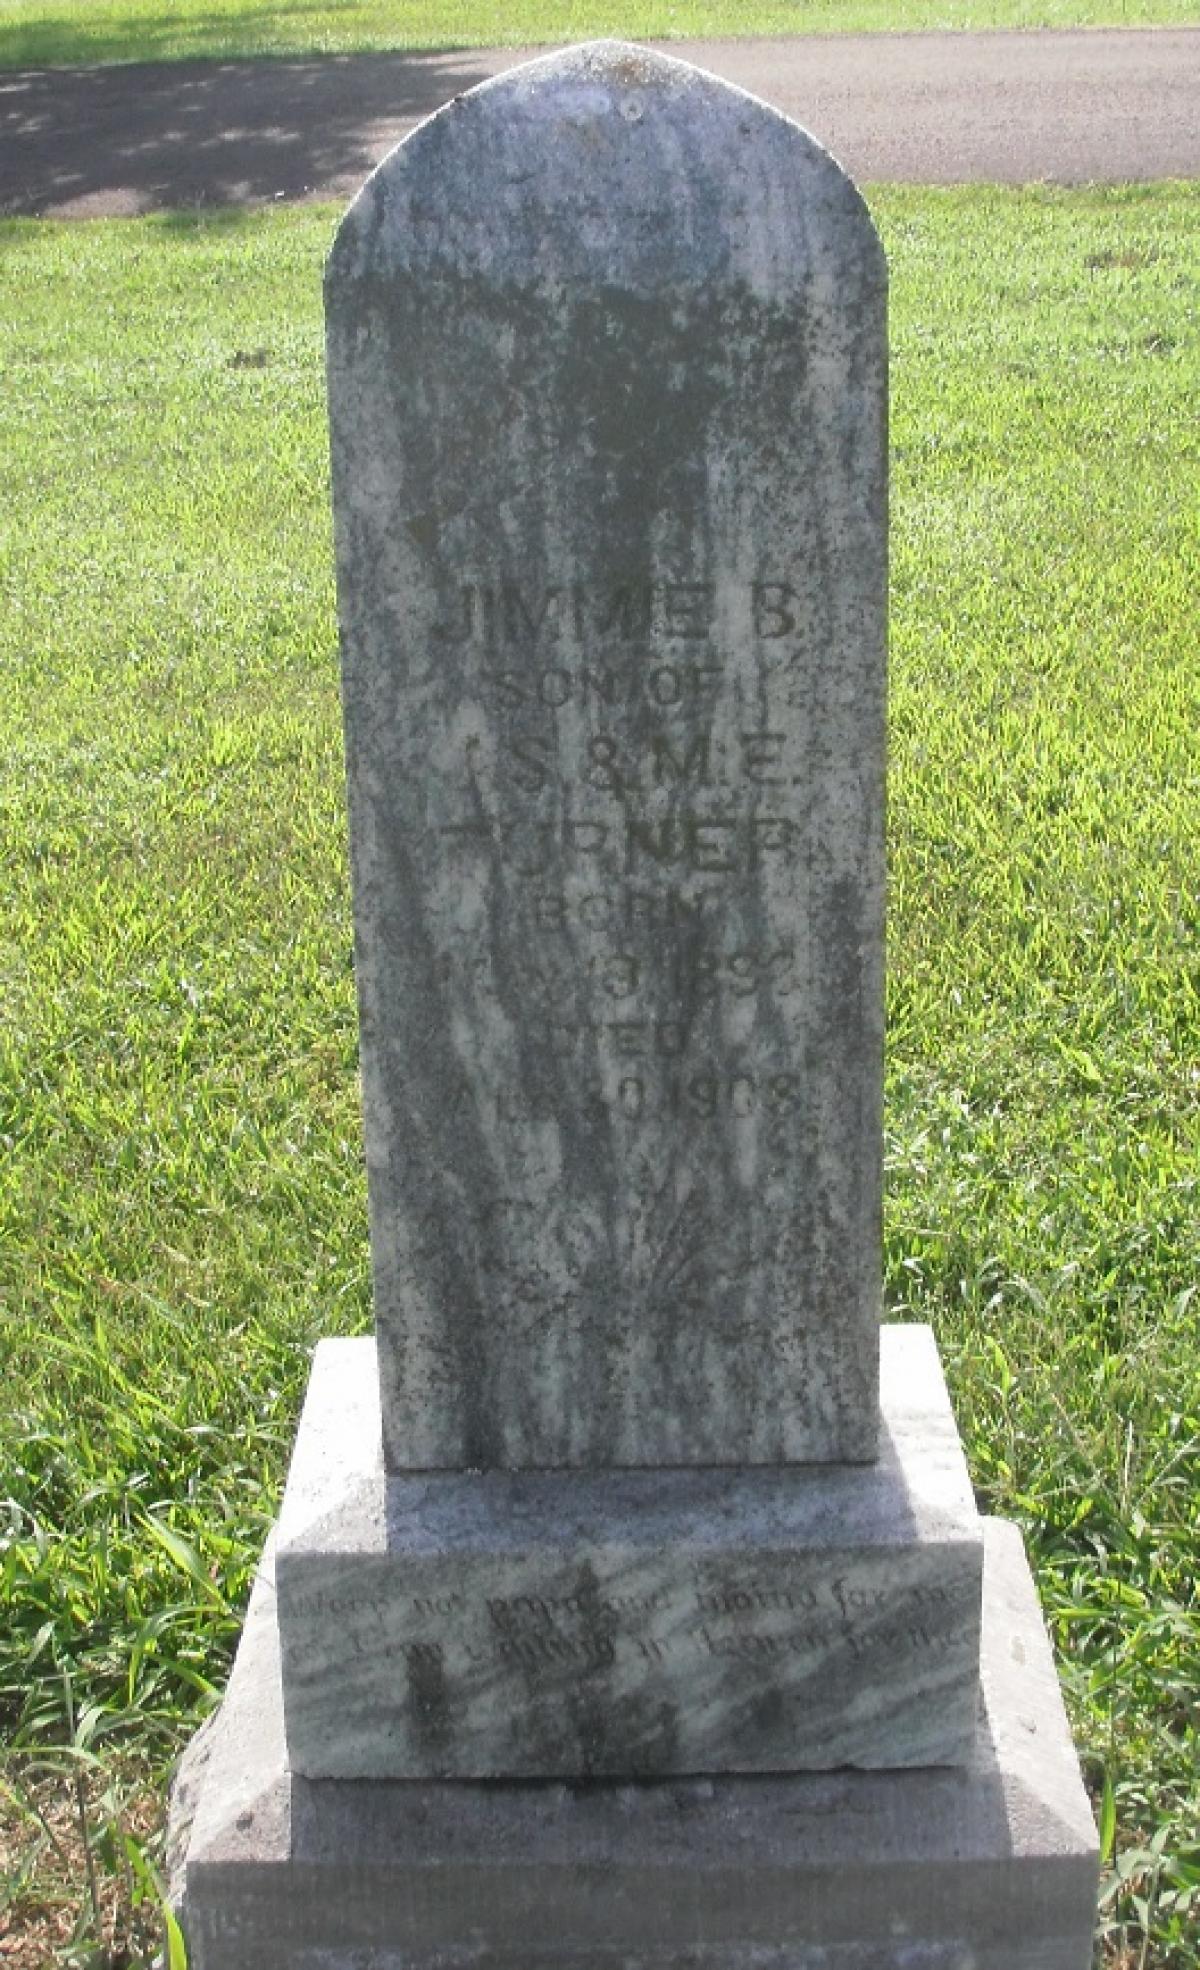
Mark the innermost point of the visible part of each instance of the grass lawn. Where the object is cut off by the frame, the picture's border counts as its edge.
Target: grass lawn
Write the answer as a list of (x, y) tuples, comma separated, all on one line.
[(181, 1197), (36, 33)]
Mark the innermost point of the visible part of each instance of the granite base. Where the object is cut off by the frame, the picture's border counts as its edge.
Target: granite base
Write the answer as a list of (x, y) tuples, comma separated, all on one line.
[(988, 1867), (628, 1623)]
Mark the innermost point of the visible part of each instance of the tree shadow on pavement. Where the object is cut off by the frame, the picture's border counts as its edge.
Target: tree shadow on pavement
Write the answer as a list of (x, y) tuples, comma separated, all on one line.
[(92, 142)]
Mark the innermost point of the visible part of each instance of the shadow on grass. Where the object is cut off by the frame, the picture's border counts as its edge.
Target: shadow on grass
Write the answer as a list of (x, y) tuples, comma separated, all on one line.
[(144, 138)]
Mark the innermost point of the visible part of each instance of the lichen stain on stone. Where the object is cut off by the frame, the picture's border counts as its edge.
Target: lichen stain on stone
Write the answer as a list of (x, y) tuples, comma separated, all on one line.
[(429, 1702), (423, 530), (634, 71)]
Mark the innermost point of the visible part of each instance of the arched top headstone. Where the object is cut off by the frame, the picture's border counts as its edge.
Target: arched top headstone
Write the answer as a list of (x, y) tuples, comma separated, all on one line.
[(668, 173), (607, 395)]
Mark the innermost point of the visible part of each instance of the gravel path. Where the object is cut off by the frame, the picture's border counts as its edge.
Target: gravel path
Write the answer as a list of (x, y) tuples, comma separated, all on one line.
[(1091, 104)]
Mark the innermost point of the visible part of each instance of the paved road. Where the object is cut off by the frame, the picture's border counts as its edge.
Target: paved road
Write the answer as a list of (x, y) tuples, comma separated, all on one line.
[(923, 108)]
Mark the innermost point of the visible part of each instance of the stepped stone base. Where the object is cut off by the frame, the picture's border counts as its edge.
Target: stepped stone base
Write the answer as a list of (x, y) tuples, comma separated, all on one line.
[(988, 1867), (628, 1623)]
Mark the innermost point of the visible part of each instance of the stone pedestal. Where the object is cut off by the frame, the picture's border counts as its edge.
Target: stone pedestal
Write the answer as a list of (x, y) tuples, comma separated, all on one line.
[(987, 1866), (627, 1623)]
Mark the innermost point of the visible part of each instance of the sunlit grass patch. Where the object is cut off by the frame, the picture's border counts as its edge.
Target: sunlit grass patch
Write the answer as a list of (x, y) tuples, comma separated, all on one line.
[(35, 34)]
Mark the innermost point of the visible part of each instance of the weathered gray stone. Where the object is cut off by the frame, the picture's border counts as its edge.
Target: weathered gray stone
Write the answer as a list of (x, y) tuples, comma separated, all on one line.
[(628, 1623), (606, 380), (992, 1867), (614, 1497)]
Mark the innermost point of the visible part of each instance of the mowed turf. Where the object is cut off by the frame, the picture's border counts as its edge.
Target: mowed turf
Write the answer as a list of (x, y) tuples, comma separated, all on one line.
[(34, 33), (181, 1195)]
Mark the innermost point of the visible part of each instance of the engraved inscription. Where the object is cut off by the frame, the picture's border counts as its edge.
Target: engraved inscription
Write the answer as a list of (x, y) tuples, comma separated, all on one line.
[(688, 1624), (620, 611), (628, 780)]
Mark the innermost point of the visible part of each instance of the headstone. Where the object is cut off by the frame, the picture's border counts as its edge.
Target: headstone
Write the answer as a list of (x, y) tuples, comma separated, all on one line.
[(618, 1491), (607, 363), (607, 384)]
